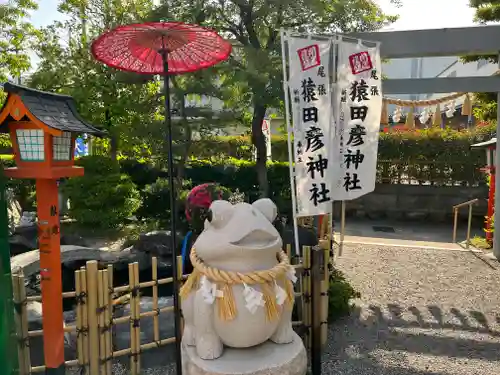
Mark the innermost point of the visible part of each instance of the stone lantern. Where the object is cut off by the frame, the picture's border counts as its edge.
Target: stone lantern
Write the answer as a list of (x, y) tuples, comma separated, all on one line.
[(43, 127)]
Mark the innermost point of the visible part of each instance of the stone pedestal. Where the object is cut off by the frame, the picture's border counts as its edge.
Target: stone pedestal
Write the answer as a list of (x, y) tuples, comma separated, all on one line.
[(266, 359)]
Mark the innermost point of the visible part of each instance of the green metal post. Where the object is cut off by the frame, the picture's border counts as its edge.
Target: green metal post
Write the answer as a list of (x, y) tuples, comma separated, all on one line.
[(8, 354)]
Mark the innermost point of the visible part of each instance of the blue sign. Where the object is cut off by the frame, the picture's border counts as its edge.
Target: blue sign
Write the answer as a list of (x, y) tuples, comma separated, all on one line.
[(81, 146)]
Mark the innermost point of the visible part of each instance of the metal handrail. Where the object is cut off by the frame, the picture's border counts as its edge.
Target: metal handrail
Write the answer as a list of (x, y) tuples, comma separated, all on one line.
[(469, 221)]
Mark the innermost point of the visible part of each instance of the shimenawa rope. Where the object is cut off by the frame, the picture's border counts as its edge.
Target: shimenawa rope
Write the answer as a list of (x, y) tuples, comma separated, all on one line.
[(224, 280)]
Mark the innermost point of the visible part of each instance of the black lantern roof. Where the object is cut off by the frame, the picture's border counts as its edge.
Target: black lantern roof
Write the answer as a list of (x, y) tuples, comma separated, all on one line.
[(54, 110)]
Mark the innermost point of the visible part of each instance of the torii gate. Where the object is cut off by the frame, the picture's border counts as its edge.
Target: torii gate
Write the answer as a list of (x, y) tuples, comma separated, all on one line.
[(479, 40)]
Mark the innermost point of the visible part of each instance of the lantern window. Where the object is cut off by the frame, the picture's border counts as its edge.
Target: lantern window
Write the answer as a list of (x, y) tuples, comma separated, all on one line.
[(31, 144), (61, 146)]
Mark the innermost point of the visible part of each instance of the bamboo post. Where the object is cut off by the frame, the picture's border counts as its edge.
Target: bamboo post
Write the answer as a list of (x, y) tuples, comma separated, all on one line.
[(156, 325), (85, 320), (325, 286), (24, 367), (109, 318), (24, 321), (137, 316), (455, 220), (342, 228), (306, 291), (79, 320), (92, 314), (317, 278), (469, 223), (134, 322), (102, 324), (179, 278)]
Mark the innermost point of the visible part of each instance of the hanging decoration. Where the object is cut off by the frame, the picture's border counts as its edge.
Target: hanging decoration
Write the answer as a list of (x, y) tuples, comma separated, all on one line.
[(396, 115), (450, 109), (410, 118), (467, 106), (425, 115), (436, 121)]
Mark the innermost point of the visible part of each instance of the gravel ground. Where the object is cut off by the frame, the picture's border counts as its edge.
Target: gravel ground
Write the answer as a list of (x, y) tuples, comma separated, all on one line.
[(421, 312), (433, 312)]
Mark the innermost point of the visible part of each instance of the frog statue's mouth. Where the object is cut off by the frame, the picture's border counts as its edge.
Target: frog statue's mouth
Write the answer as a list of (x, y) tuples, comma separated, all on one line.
[(257, 239)]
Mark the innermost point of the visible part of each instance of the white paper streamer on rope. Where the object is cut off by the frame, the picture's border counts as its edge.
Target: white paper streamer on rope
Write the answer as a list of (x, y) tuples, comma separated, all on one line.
[(209, 291), (253, 298), (280, 294), (291, 274)]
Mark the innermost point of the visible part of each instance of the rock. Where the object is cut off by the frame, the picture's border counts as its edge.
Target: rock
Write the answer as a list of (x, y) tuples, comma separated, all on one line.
[(34, 315), (273, 359), (74, 257), (157, 243), (25, 238)]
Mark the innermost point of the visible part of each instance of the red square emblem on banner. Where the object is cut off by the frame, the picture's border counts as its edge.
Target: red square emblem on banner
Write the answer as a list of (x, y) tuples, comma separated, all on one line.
[(309, 57), (360, 62)]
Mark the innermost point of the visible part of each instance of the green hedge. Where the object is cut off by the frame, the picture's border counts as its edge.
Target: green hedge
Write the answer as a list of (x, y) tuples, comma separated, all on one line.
[(433, 144)]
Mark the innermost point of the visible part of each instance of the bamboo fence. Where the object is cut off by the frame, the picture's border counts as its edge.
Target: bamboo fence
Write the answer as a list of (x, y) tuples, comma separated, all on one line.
[(96, 298)]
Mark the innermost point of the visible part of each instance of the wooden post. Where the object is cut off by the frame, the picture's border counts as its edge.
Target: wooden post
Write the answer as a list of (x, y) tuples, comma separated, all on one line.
[(50, 273), (109, 318), (79, 320), (306, 291), (93, 323), (317, 278), (455, 219), (469, 223), (85, 320), (22, 348), (8, 359), (102, 324), (156, 325), (134, 320)]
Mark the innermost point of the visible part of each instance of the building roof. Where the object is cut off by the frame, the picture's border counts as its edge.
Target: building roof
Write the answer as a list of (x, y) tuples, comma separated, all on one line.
[(54, 110)]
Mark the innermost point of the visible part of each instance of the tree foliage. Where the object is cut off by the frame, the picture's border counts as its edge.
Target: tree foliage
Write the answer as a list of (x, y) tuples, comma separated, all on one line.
[(254, 71), (106, 97), (16, 37), (486, 11)]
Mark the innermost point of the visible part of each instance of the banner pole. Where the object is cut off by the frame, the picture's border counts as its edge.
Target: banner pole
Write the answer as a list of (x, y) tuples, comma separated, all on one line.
[(290, 148)]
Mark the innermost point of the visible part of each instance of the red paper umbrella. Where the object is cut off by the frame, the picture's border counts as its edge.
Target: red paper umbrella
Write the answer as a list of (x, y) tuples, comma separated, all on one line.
[(163, 48), (139, 48)]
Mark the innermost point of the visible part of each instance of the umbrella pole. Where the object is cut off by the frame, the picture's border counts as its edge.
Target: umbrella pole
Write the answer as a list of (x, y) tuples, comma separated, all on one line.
[(173, 243)]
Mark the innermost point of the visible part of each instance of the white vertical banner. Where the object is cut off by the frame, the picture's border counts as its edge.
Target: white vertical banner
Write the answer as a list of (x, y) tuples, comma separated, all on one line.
[(358, 98), (309, 85)]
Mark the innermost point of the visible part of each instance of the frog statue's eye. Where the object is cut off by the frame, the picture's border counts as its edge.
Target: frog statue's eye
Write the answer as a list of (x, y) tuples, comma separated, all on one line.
[(220, 213), (267, 208)]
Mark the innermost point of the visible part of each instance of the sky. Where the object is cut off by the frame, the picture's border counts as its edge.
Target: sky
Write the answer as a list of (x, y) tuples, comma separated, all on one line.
[(415, 14)]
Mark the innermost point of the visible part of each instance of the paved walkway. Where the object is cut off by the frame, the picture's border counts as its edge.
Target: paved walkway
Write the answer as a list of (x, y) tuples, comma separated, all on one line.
[(409, 231), (434, 312)]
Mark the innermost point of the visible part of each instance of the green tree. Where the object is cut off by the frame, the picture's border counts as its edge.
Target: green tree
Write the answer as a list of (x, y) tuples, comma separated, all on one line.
[(106, 97), (254, 71), (16, 38), (486, 11)]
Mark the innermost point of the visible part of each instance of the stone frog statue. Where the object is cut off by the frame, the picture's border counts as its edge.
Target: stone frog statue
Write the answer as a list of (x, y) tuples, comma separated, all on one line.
[(240, 293)]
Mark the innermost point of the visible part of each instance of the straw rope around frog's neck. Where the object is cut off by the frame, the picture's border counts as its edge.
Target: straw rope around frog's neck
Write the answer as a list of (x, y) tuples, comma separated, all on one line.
[(264, 279)]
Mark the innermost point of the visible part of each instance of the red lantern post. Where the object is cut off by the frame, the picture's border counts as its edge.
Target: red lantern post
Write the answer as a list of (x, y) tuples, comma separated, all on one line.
[(42, 128), (490, 147)]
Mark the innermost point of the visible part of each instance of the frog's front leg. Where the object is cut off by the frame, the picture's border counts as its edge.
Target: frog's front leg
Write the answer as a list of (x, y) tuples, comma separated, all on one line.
[(284, 333), (188, 336), (208, 343)]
